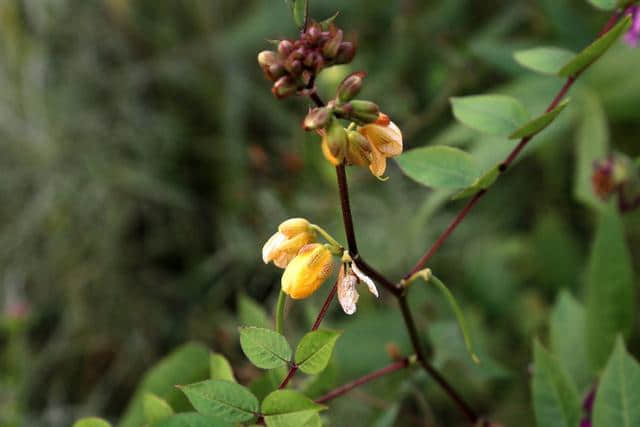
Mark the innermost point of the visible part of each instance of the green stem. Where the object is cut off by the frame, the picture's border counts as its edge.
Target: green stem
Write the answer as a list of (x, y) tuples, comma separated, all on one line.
[(327, 236), (280, 312)]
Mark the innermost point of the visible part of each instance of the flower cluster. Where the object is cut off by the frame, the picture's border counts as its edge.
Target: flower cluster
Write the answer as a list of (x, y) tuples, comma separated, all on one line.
[(307, 264), (295, 64)]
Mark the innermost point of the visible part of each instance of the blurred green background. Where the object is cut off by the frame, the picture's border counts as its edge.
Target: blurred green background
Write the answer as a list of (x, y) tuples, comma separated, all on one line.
[(144, 162)]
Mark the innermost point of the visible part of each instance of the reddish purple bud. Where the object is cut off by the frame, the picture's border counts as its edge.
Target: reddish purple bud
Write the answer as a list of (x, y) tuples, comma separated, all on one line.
[(346, 53), (331, 47), (632, 38), (284, 87), (285, 47), (316, 118)]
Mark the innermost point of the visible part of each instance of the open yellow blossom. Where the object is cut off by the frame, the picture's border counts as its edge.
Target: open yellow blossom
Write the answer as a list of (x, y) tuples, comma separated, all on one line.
[(284, 245), (307, 271), (385, 139)]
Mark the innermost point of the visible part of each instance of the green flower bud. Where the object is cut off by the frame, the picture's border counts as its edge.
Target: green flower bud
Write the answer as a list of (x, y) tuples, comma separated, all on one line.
[(350, 86), (336, 140), (364, 111)]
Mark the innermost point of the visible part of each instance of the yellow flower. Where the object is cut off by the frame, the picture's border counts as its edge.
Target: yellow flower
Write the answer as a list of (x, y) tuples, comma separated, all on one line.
[(307, 271), (284, 245), (385, 139)]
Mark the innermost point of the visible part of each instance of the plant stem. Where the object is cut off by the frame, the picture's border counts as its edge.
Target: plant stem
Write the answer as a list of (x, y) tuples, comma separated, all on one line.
[(323, 311), (282, 298), (346, 210), (431, 370), (343, 389), (506, 163)]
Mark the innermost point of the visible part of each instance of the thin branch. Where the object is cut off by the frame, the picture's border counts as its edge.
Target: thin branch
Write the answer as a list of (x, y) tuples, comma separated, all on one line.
[(395, 366), (431, 370), (346, 210), (506, 163), (323, 311)]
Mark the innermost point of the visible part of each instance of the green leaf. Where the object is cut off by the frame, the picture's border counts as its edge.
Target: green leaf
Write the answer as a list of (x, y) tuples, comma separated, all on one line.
[(223, 399), (596, 49), (314, 350), (289, 408), (220, 368), (618, 398), (326, 23), (556, 402), (265, 348), (492, 114), (592, 143), (191, 419), (186, 364), (155, 408), (439, 166), (545, 60), (251, 313), (610, 288), (604, 4), (462, 323), (91, 422), (568, 341), (539, 123), (481, 183), (300, 10)]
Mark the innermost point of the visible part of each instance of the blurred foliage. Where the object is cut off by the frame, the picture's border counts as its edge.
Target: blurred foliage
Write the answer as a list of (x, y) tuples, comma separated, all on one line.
[(144, 162)]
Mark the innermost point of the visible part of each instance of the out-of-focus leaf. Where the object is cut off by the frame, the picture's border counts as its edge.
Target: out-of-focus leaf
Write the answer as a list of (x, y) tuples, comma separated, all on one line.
[(91, 422), (222, 399), (186, 364), (604, 4), (388, 417), (300, 10), (539, 123), (314, 350), (568, 341), (439, 166), (545, 60), (251, 313), (192, 419), (610, 288), (592, 143), (556, 402), (492, 114), (482, 183), (289, 408), (265, 348), (220, 368), (596, 49), (155, 408), (617, 398)]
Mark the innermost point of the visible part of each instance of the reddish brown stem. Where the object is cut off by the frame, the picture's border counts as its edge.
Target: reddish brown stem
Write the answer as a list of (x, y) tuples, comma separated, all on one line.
[(346, 209), (505, 164), (343, 389), (323, 311)]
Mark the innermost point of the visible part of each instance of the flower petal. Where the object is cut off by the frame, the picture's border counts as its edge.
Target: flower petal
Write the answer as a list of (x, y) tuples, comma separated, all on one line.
[(269, 248), (366, 279), (347, 294), (378, 162)]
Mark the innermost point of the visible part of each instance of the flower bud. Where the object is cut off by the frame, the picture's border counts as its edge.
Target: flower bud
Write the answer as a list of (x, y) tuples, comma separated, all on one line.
[(307, 271), (294, 226), (284, 245), (364, 111), (293, 66), (358, 149), (317, 118), (336, 140), (267, 58), (350, 86), (332, 46), (284, 87), (345, 54), (285, 47)]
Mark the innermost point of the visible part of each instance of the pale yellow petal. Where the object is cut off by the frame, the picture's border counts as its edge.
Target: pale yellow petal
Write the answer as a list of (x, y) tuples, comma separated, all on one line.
[(269, 248), (366, 279), (347, 293), (378, 162)]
